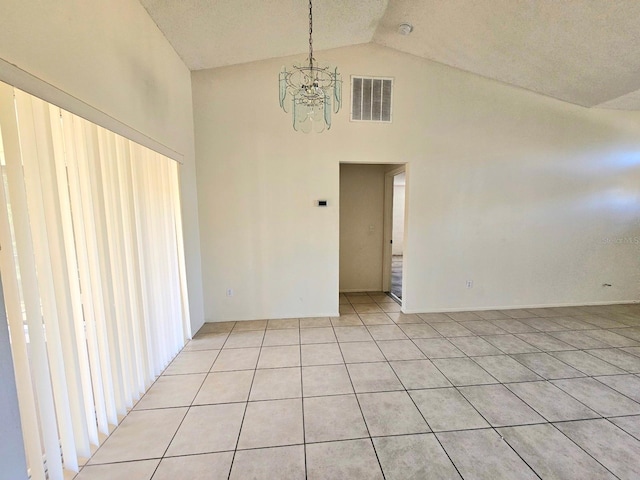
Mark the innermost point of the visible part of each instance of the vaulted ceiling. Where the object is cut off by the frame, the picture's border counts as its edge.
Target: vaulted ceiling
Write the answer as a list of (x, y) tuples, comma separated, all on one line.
[(585, 52)]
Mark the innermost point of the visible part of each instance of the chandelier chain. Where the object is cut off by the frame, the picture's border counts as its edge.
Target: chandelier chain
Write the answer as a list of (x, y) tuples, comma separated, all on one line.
[(310, 34)]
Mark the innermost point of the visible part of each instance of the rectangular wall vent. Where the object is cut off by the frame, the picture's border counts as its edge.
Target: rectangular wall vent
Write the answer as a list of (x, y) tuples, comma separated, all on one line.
[(371, 99)]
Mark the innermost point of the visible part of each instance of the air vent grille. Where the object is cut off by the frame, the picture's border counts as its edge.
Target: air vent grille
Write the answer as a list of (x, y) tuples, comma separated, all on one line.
[(371, 99)]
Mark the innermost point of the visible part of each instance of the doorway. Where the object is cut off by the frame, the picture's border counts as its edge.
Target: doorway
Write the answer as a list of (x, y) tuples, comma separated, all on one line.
[(394, 210), (371, 228)]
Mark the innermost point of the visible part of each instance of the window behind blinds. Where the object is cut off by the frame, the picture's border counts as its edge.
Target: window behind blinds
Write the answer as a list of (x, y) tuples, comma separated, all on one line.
[(371, 99)]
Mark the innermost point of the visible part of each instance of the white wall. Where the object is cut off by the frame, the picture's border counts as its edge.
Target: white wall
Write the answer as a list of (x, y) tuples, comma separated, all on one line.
[(361, 227), (109, 62), (515, 191)]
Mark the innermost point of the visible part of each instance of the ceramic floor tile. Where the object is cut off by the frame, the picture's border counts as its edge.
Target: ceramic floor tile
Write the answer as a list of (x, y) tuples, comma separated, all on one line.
[(474, 346), (510, 344), (418, 374), (278, 357), (491, 315), (337, 417), (211, 341), (611, 338), (171, 391), (194, 467), (513, 326), (452, 329), (276, 383), (287, 336), (367, 308), (373, 377), (579, 340), (632, 350), (483, 455), (361, 352), (552, 455), (246, 325), (139, 470), (391, 413), (281, 323), (587, 364), (225, 387), (346, 460), (464, 316), (315, 322), (505, 369), (236, 359), (551, 402), (346, 309), (628, 385), (544, 342), (619, 358), (483, 327), (400, 350), (546, 366), (499, 406), (438, 348), (283, 463), (517, 313), (352, 334), (208, 429), (414, 457), (321, 354), (543, 324), (631, 425), (376, 319), (599, 397), (404, 318), (610, 445), (435, 317), (317, 335), (572, 323), (351, 320), (386, 332), (419, 330), (446, 409), (325, 380), (244, 339), (192, 362), (463, 371), (272, 423), (142, 434), (390, 307), (359, 298), (216, 327)]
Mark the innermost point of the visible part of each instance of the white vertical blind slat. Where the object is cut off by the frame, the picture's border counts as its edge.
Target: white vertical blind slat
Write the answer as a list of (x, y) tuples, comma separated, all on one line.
[(13, 298), (35, 305)]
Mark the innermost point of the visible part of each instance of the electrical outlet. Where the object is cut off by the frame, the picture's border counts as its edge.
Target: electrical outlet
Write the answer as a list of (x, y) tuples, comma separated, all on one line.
[(469, 283), (229, 292)]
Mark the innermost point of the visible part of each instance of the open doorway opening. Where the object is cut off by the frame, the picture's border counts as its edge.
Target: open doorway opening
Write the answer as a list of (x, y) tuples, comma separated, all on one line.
[(371, 230), (397, 234), (394, 230)]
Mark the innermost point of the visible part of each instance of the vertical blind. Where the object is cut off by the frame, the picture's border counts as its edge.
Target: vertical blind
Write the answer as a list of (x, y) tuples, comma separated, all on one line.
[(93, 273)]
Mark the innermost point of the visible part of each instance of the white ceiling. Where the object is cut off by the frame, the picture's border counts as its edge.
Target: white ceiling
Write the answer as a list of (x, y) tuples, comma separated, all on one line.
[(585, 52)]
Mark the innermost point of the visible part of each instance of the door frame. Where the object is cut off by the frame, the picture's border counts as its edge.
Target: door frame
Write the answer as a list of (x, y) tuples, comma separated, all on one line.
[(387, 222)]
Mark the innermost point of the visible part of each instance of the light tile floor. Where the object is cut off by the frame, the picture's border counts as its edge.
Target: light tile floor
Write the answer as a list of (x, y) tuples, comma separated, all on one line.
[(374, 393)]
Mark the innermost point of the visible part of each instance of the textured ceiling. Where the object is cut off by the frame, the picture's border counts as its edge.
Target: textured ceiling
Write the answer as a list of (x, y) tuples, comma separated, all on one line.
[(585, 52)]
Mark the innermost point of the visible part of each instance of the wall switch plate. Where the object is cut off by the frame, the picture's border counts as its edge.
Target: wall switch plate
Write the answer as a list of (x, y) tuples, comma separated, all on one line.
[(469, 283), (229, 292)]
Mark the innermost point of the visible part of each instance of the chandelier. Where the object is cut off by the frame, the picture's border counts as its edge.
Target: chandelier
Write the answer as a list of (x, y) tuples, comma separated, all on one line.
[(314, 90)]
